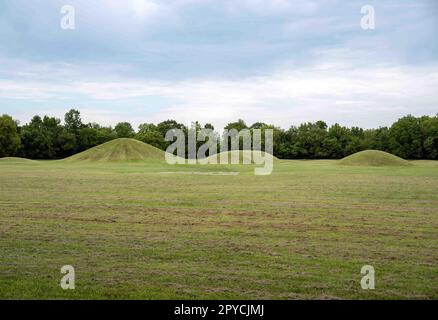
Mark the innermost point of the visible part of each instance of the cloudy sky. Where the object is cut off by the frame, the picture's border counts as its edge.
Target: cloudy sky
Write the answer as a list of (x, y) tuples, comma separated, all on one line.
[(277, 61)]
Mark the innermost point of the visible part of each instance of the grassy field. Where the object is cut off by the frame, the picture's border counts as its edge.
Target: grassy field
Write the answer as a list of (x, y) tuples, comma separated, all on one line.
[(147, 230)]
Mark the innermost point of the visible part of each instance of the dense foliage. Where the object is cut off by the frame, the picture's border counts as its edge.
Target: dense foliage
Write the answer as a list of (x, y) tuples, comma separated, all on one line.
[(47, 138), (9, 138)]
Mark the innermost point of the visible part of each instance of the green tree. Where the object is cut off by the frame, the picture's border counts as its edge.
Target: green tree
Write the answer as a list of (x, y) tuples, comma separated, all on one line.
[(167, 125), (377, 139), (283, 143), (258, 125), (356, 141), (338, 138), (92, 134), (149, 133), (429, 128), (9, 137), (52, 129), (238, 125), (36, 140), (310, 140), (106, 134), (88, 137), (124, 130), (73, 125), (406, 138), (73, 121), (67, 144), (46, 138)]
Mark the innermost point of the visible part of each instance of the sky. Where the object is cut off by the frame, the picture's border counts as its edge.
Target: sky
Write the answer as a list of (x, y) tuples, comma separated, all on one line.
[(276, 61)]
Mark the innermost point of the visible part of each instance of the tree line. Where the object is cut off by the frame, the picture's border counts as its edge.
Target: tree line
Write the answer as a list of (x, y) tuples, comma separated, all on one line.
[(47, 138)]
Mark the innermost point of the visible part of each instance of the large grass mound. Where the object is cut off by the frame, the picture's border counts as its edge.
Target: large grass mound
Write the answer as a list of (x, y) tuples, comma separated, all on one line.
[(373, 158), (16, 160), (120, 150)]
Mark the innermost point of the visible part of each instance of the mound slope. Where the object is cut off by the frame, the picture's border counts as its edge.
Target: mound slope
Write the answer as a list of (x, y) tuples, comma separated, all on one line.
[(373, 158), (120, 150), (241, 154), (16, 160)]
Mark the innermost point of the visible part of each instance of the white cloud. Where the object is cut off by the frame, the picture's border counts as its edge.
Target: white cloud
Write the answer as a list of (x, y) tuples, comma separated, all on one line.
[(142, 9), (367, 96), (301, 61)]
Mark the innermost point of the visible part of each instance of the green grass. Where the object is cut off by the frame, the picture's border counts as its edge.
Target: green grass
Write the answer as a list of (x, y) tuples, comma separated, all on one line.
[(373, 158), (152, 231)]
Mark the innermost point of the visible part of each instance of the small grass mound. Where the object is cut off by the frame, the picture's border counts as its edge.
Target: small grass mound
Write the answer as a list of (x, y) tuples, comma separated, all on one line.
[(242, 154), (16, 160), (374, 158), (120, 150)]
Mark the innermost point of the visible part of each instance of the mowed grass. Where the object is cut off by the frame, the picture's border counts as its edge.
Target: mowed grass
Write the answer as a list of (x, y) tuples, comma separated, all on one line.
[(153, 231)]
